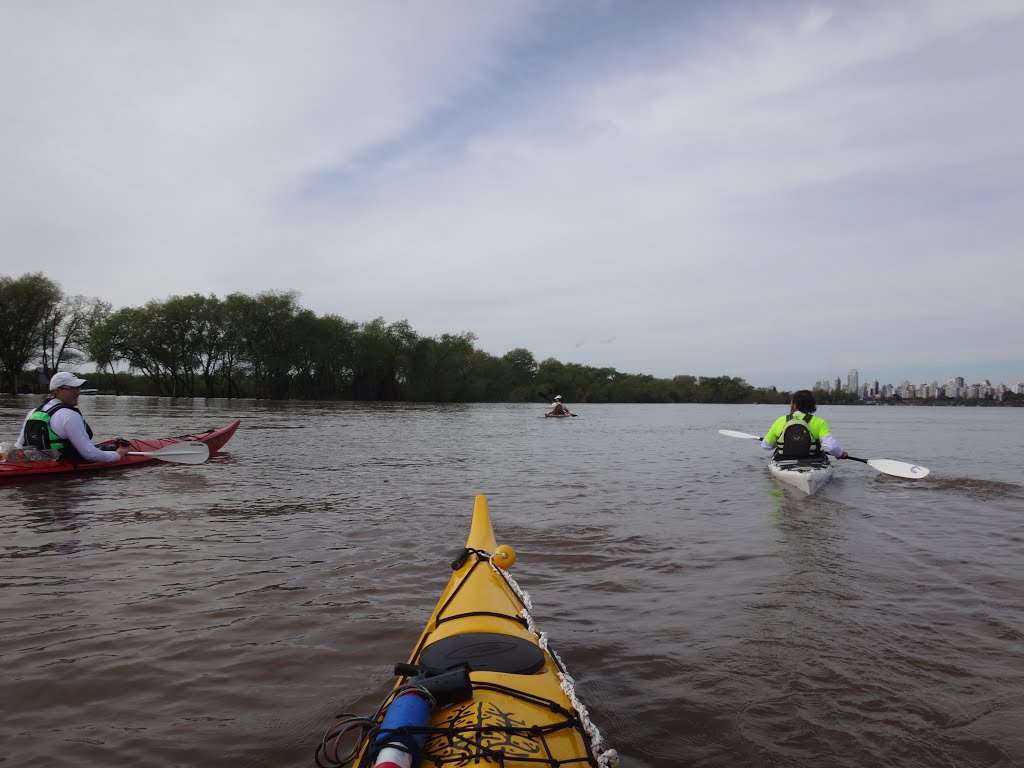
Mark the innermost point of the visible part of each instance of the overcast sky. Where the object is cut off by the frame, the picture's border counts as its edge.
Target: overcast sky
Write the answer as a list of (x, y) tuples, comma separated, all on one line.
[(776, 191)]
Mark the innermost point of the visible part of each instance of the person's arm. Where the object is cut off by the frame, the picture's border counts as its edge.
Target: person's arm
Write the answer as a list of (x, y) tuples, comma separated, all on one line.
[(20, 442), (830, 445), (768, 441), (71, 427)]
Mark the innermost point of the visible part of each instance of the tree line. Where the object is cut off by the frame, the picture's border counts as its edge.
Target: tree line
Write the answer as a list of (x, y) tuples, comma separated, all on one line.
[(268, 346)]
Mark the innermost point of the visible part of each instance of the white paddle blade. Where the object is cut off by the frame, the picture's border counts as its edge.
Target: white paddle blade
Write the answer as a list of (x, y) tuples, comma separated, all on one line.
[(734, 433), (188, 452), (899, 468)]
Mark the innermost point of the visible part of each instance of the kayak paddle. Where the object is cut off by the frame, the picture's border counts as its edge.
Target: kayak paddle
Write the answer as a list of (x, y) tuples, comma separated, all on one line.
[(186, 452), (885, 466), (734, 433), (897, 468)]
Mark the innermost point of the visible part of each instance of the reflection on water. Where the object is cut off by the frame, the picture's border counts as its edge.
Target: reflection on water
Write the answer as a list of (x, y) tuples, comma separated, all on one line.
[(221, 615)]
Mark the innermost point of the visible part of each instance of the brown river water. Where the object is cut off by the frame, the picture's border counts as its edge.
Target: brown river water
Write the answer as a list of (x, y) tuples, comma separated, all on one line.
[(221, 615)]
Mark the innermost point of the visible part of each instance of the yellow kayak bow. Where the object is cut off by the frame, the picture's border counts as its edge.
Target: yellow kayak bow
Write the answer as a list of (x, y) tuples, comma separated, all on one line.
[(482, 686)]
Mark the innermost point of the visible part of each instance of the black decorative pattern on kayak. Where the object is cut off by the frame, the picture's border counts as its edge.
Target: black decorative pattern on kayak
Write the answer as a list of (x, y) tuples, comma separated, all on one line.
[(474, 733)]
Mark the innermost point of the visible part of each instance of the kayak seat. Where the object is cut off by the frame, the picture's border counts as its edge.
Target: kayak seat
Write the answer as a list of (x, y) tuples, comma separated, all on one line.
[(484, 652)]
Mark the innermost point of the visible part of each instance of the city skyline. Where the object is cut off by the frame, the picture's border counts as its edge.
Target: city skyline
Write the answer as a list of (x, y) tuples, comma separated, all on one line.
[(954, 386)]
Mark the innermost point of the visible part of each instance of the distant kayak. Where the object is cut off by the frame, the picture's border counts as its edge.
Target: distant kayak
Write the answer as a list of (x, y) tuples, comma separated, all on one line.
[(482, 686), (807, 475), (23, 470), (557, 415)]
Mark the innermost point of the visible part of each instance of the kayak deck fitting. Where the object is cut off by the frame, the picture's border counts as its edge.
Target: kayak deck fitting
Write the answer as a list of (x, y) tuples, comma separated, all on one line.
[(482, 686)]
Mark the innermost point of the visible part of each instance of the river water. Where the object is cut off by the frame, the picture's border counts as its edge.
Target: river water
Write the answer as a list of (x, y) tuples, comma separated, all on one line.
[(221, 615)]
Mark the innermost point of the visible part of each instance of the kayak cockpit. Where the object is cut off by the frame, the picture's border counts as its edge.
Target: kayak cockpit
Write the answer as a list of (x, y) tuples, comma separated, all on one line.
[(485, 652)]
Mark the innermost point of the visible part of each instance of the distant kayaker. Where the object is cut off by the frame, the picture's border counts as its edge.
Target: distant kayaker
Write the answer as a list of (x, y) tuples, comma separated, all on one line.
[(557, 409), (800, 434), (58, 423)]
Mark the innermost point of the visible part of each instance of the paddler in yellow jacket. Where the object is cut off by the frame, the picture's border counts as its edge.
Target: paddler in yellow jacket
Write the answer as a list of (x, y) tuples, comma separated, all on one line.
[(800, 434)]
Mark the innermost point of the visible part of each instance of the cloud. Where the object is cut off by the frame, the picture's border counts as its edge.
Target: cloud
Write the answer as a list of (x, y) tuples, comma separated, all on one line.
[(770, 192)]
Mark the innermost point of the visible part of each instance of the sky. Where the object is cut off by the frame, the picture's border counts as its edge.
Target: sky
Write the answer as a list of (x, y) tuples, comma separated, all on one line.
[(774, 191)]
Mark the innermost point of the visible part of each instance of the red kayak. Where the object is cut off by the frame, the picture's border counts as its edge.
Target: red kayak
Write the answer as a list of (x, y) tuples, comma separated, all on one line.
[(20, 470)]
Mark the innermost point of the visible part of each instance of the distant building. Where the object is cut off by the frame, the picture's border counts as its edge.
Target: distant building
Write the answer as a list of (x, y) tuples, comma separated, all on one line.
[(852, 381)]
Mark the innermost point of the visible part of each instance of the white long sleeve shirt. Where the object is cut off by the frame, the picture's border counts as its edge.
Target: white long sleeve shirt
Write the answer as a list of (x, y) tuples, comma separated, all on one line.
[(70, 425)]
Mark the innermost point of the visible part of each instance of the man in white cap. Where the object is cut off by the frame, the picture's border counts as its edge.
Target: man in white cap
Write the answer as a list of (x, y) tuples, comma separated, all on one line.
[(557, 409), (59, 424)]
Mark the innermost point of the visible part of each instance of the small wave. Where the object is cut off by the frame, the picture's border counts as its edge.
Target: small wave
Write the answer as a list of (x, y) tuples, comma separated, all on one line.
[(988, 489)]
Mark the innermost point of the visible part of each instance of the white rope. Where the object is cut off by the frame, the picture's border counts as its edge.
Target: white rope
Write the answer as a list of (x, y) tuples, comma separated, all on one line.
[(606, 758)]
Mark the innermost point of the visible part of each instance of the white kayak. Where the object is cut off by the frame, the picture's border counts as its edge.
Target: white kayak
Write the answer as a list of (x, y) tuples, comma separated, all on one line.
[(807, 475)]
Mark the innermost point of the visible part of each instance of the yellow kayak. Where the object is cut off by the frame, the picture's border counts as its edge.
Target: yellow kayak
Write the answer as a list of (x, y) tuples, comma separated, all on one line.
[(482, 686)]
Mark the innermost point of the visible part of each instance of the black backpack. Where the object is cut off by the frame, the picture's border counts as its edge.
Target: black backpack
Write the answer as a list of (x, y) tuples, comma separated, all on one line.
[(796, 441)]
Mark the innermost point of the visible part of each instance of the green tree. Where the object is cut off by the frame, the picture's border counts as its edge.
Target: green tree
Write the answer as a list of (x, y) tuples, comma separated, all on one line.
[(324, 350), (683, 389), (99, 343), (519, 372), (722, 389), (262, 339), (551, 378), (213, 342), (337, 344), (234, 367), (141, 337), (382, 359), (26, 301), (176, 332), (65, 332), (441, 369), (488, 381)]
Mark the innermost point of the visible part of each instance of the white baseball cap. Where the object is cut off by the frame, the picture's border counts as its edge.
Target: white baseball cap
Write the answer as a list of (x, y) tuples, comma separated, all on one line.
[(65, 379), (558, 397)]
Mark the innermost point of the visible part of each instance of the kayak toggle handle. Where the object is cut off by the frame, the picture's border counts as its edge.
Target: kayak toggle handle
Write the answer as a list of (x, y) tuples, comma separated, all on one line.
[(460, 561)]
